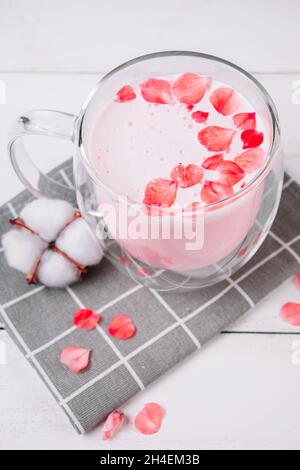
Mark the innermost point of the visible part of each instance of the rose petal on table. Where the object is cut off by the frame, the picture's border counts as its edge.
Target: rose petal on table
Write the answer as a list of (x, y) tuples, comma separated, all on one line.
[(190, 88), (200, 116), (149, 420), (215, 138), (114, 422), (86, 319), (215, 192), (188, 176), (75, 358), (225, 100), (229, 173), (245, 121), (157, 91), (212, 162), (290, 312), (122, 327), (252, 138), (125, 94), (251, 160), (160, 192)]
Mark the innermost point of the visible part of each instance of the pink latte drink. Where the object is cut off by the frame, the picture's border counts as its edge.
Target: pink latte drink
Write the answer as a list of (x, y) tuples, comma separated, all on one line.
[(180, 148)]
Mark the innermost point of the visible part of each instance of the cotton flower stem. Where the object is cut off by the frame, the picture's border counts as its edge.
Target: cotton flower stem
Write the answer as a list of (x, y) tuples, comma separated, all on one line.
[(20, 224), (80, 267)]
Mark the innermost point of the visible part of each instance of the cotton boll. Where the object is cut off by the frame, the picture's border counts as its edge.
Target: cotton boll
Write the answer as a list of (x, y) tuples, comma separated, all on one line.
[(80, 244), (55, 271), (22, 249), (47, 217)]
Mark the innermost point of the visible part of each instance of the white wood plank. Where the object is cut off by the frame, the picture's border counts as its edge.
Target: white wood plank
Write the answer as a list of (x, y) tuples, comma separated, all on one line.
[(96, 35), (240, 392)]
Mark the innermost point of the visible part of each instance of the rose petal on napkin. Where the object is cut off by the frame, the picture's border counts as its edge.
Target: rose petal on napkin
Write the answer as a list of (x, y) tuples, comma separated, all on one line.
[(75, 358), (114, 422), (122, 327), (86, 319)]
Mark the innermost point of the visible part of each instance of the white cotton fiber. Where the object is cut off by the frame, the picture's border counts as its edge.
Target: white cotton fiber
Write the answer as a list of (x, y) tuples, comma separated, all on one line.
[(47, 217), (80, 244), (22, 249), (55, 271)]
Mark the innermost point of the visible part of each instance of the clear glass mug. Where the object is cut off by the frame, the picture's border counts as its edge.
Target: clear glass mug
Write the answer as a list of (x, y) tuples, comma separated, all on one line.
[(231, 231)]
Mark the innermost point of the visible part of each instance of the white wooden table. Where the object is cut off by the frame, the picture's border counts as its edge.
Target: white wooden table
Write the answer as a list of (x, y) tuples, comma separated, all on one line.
[(242, 391)]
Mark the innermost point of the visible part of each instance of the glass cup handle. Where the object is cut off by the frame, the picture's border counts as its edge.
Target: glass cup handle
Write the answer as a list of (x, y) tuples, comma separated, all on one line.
[(40, 122)]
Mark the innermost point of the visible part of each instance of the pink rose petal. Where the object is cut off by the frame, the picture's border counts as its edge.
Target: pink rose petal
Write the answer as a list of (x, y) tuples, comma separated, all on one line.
[(211, 163), (86, 319), (297, 280), (122, 327), (160, 192), (125, 94), (215, 138), (188, 176), (75, 358), (215, 192), (124, 261), (229, 173), (200, 116), (290, 312), (190, 88), (148, 421), (252, 138), (157, 91), (245, 121), (251, 160), (114, 422), (225, 100)]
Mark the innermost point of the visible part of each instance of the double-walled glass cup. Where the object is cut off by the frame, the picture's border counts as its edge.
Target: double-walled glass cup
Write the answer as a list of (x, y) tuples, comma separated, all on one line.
[(165, 249)]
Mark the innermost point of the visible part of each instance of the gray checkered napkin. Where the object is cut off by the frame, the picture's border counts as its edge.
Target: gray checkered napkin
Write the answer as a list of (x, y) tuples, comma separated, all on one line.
[(172, 326)]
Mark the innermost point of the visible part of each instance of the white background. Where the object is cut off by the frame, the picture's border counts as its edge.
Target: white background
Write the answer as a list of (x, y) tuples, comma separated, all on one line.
[(242, 391)]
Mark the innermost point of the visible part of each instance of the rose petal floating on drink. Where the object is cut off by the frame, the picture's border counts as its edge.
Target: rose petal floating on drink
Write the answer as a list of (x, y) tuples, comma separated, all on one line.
[(188, 176), (229, 173), (124, 261), (216, 138), (86, 319), (125, 94), (225, 100), (122, 327), (211, 163), (114, 422), (143, 272), (245, 121), (251, 160), (290, 312), (157, 91), (160, 192), (252, 138), (190, 88), (75, 358), (215, 192), (200, 116), (149, 420)]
